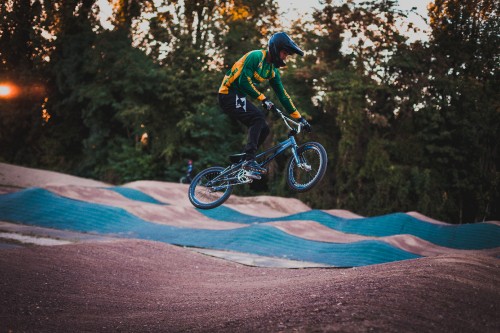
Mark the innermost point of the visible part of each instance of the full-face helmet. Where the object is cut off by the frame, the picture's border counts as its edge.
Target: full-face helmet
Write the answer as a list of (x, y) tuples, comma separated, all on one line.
[(281, 41)]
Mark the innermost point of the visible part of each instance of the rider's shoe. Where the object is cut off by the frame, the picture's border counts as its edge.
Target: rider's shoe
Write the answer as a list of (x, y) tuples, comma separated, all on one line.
[(252, 165), (252, 175)]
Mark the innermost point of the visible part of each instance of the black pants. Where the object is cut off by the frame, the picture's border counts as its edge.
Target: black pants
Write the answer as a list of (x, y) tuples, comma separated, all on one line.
[(241, 109)]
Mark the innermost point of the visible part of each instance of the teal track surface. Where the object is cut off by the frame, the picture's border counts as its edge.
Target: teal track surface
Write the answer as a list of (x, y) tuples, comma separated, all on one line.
[(36, 206), (134, 194), (476, 236)]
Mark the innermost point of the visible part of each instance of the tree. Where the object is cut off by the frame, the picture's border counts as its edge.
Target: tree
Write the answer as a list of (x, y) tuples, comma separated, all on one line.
[(465, 144), (71, 24), (354, 101), (22, 63), (191, 42), (246, 25)]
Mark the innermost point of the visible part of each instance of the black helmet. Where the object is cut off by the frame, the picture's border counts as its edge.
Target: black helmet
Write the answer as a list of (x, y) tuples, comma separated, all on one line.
[(280, 41)]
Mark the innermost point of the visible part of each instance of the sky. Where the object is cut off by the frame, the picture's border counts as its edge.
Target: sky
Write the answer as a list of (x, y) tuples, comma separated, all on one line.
[(293, 8)]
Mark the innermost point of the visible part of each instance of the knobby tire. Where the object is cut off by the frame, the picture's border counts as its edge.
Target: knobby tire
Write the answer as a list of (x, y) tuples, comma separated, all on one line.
[(216, 194)]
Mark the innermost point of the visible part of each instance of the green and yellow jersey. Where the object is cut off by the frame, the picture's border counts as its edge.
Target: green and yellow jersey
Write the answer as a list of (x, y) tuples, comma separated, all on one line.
[(251, 70)]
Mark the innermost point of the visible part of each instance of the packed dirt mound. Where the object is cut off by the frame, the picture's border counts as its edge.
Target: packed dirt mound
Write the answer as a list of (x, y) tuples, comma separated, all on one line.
[(21, 177), (267, 226), (176, 194), (140, 286)]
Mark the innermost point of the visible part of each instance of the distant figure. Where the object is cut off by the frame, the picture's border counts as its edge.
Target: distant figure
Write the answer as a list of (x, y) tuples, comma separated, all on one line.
[(189, 170), (187, 179)]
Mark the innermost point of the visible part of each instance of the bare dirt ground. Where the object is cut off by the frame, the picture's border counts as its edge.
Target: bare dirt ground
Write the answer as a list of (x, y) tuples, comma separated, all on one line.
[(140, 286)]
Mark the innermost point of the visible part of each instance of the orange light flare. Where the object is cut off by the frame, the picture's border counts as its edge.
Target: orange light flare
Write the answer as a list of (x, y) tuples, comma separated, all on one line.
[(8, 90)]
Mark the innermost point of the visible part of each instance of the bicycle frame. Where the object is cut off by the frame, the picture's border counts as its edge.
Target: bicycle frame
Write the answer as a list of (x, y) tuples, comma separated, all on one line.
[(279, 149), (273, 152)]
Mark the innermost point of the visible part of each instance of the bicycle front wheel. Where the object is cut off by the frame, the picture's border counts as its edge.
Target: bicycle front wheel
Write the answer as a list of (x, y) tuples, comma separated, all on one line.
[(207, 192), (311, 169)]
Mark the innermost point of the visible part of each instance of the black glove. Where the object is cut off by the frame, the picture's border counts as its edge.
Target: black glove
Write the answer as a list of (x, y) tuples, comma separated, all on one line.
[(268, 105), (305, 125)]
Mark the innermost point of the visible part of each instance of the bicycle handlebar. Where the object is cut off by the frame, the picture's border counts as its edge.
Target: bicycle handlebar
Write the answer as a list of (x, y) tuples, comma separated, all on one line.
[(288, 120)]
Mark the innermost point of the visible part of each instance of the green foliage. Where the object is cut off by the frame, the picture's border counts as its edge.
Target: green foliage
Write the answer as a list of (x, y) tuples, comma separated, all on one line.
[(127, 163), (206, 138), (462, 118)]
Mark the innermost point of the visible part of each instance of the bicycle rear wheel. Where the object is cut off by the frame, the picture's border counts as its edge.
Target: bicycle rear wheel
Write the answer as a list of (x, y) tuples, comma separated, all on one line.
[(312, 168), (207, 193)]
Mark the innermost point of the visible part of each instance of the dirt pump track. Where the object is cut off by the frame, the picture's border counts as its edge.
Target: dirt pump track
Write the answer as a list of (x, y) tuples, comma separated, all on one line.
[(128, 285)]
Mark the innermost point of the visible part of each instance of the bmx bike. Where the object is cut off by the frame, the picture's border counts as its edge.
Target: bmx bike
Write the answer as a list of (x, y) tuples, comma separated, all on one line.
[(212, 187)]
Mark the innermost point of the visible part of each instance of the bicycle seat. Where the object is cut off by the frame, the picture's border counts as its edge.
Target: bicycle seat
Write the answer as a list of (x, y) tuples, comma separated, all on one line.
[(237, 158)]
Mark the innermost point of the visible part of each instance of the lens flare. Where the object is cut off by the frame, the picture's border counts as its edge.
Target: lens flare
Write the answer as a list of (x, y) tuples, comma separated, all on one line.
[(5, 90), (8, 90)]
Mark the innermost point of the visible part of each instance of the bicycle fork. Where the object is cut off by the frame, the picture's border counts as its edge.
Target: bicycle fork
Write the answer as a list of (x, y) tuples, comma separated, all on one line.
[(301, 163)]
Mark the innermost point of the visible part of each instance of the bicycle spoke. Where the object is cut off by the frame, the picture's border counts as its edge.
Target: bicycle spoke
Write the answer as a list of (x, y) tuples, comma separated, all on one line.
[(209, 194)]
